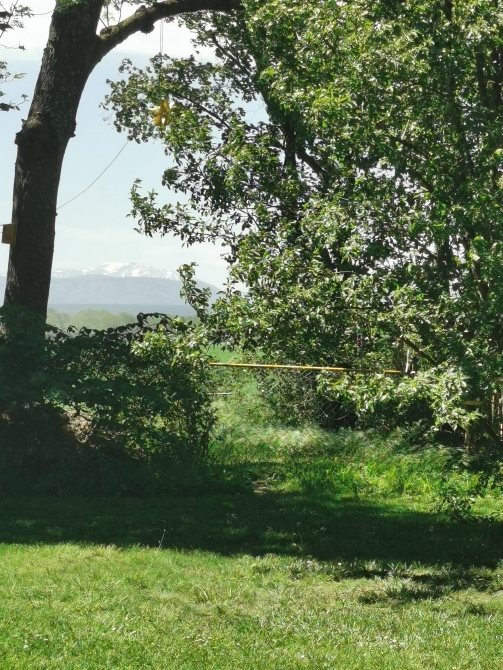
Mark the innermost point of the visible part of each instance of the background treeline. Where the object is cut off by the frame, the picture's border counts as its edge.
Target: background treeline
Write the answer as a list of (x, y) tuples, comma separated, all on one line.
[(97, 319)]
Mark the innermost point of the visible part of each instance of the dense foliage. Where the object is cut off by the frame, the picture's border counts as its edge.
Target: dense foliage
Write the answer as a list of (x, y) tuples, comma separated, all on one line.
[(135, 392), (363, 209)]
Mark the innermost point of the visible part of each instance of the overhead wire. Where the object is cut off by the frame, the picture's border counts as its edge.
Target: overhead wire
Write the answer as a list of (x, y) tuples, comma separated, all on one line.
[(161, 50), (98, 177), (161, 37)]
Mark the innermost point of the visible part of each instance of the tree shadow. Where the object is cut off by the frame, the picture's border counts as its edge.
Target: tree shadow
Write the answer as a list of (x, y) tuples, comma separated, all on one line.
[(231, 520)]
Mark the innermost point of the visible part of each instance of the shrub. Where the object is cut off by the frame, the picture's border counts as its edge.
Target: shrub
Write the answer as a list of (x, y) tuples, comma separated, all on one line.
[(136, 392)]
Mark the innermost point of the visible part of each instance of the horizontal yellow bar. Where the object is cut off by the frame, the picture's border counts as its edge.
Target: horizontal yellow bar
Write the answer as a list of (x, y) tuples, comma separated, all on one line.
[(304, 367)]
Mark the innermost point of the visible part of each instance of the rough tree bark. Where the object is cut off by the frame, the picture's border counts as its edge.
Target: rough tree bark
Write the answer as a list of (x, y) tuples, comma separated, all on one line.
[(73, 50)]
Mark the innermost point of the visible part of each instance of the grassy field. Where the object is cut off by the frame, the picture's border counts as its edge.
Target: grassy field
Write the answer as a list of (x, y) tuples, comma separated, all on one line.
[(294, 548), (222, 356), (261, 580)]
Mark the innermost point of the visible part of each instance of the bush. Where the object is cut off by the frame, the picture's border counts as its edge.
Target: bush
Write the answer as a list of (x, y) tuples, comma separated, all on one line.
[(135, 393), (143, 388)]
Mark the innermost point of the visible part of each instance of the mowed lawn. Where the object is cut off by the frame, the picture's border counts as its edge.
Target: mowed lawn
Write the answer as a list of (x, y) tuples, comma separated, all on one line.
[(248, 579)]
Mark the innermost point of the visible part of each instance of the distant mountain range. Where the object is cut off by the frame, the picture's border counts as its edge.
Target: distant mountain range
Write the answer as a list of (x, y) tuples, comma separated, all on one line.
[(118, 287), (119, 270)]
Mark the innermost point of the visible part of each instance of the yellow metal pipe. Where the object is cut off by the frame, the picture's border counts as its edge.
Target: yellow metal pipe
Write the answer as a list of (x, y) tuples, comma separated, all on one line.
[(304, 367)]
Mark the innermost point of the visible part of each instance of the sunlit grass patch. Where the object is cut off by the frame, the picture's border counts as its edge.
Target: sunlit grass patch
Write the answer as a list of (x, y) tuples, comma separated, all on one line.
[(308, 457), (97, 606)]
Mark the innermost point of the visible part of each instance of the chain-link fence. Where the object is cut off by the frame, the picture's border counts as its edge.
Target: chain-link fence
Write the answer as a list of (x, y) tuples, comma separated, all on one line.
[(262, 412), (295, 395), (289, 393)]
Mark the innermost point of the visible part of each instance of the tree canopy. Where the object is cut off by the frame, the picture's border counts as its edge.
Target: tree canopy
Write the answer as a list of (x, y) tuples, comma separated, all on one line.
[(361, 208), (363, 214)]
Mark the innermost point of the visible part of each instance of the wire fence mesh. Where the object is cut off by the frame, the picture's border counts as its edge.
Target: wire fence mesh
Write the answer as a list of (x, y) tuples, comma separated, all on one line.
[(295, 394), (291, 394)]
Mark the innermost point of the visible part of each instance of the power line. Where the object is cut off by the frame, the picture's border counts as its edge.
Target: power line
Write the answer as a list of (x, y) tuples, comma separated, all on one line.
[(94, 182)]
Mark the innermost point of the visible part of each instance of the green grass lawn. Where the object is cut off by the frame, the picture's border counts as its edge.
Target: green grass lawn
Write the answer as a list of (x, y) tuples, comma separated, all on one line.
[(247, 580), (294, 548), (223, 356)]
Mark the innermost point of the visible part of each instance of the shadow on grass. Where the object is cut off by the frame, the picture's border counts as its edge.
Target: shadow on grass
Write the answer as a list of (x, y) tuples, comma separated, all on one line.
[(228, 519)]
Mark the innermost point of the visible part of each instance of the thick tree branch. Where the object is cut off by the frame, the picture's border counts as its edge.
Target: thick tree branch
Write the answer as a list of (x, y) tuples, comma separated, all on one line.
[(311, 161), (145, 18), (419, 351)]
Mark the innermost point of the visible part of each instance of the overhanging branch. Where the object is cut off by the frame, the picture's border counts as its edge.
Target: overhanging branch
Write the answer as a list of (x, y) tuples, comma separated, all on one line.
[(145, 18), (419, 351), (311, 161)]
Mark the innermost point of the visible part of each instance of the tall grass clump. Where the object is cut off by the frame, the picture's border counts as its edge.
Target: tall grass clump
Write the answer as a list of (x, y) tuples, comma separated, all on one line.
[(307, 457)]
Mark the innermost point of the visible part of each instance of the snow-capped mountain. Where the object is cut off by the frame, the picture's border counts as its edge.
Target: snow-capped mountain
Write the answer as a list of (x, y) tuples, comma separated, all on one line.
[(116, 287), (119, 270)]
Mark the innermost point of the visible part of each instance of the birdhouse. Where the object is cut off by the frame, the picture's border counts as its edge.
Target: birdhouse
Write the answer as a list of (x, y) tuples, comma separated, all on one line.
[(9, 233)]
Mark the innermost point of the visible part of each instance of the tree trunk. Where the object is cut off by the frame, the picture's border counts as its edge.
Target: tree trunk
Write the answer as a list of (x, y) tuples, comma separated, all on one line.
[(72, 52), (69, 58)]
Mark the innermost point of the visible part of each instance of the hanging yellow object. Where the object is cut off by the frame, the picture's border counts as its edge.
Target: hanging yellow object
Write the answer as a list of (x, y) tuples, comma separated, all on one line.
[(162, 113)]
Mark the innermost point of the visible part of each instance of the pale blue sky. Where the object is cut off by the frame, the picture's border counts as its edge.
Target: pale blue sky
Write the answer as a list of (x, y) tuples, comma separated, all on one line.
[(94, 228)]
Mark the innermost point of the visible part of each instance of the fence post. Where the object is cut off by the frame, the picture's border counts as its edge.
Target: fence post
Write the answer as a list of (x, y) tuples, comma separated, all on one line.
[(499, 407)]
